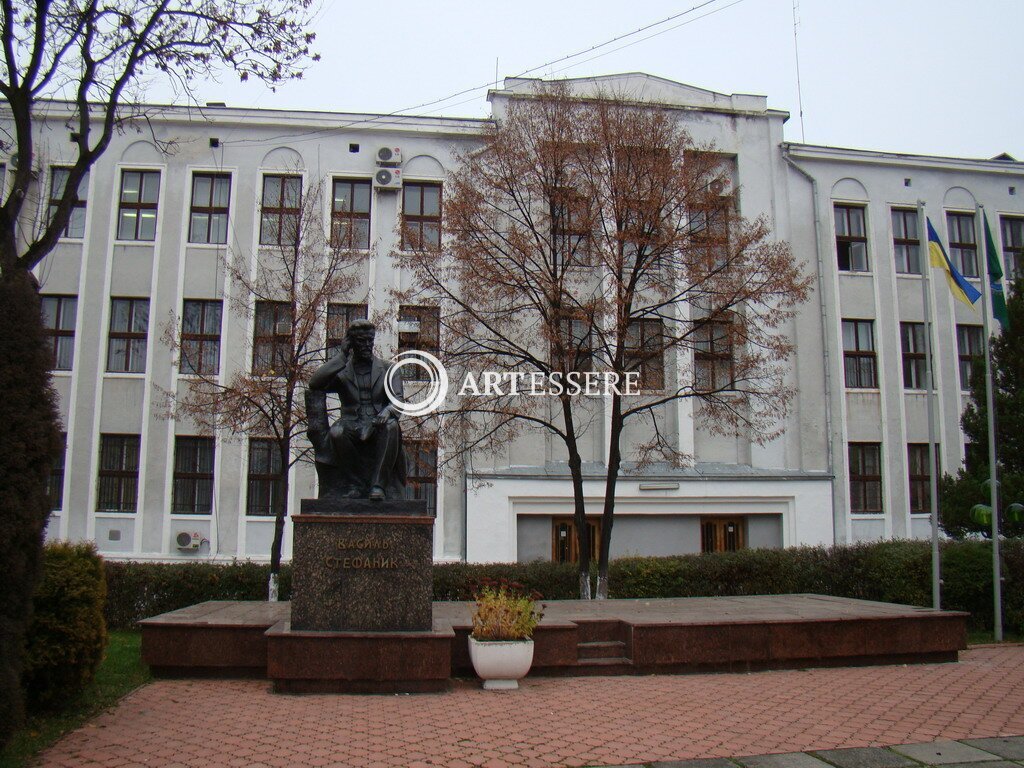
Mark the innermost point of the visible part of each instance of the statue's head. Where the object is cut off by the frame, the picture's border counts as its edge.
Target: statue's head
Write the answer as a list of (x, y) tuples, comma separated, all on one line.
[(360, 336)]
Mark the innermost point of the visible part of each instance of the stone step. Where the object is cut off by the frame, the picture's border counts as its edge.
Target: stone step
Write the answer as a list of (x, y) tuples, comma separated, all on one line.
[(601, 649), (607, 666), (602, 630)]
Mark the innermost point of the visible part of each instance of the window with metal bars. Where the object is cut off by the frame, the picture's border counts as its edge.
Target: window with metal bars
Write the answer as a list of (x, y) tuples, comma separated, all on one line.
[(265, 494), (192, 492), (118, 476)]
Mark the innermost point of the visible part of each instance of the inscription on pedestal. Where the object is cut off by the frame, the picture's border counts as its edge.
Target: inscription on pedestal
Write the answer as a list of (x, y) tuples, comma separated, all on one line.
[(363, 572)]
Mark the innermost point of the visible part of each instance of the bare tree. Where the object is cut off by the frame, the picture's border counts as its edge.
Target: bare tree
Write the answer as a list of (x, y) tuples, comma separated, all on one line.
[(93, 54), (592, 241), (284, 289)]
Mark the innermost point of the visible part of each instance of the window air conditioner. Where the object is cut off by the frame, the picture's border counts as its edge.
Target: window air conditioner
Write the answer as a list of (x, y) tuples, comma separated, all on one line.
[(388, 178)]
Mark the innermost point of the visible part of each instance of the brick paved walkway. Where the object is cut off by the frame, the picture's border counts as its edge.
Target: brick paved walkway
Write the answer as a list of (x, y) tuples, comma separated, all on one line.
[(570, 721)]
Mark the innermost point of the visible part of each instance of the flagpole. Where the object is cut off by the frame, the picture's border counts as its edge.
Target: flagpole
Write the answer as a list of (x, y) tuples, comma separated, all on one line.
[(933, 480), (997, 587)]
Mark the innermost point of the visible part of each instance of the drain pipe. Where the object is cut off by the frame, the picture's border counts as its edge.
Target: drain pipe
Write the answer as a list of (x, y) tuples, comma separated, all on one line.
[(826, 357)]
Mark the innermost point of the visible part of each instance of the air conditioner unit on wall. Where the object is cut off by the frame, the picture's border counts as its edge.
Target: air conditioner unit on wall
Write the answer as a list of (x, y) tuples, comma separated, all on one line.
[(188, 540), (389, 156), (388, 178)]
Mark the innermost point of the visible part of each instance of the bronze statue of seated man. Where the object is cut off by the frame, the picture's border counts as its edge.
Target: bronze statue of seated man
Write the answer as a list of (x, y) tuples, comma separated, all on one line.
[(360, 456)]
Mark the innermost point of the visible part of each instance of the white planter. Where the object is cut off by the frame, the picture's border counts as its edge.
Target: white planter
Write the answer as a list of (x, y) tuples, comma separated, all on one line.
[(501, 663)]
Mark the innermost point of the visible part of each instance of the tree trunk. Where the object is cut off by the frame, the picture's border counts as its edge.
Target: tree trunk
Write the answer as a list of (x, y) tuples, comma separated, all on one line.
[(579, 507), (28, 444), (608, 512), (275, 548)]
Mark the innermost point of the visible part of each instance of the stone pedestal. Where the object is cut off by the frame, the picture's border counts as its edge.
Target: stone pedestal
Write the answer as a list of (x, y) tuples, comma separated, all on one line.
[(362, 566)]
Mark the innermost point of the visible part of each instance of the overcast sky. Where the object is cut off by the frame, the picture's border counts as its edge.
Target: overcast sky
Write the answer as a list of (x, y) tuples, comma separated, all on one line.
[(927, 76)]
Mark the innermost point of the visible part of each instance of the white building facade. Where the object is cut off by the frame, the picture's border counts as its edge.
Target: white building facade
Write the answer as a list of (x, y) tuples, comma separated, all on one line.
[(148, 247)]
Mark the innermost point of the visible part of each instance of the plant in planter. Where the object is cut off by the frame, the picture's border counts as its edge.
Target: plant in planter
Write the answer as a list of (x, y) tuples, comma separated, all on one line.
[(501, 644)]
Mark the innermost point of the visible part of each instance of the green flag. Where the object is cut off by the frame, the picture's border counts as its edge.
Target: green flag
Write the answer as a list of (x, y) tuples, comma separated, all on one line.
[(995, 279)]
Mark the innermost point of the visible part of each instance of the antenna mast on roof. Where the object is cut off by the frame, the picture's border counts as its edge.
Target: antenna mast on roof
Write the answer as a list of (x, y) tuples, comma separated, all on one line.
[(796, 51)]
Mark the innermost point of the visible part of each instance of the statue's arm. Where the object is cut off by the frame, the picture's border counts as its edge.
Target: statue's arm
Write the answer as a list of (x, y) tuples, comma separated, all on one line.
[(324, 375)]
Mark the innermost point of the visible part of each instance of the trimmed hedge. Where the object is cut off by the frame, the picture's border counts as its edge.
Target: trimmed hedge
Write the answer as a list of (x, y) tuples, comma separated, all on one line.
[(892, 571), (67, 634), (136, 591)]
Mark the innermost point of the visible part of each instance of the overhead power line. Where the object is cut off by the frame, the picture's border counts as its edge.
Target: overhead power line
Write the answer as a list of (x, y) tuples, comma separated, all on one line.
[(400, 113)]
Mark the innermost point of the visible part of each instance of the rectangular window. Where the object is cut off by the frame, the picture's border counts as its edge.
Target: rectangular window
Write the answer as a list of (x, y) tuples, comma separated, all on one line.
[(905, 241), (712, 357), (350, 213), (912, 342), (970, 344), (859, 354), (59, 328), (265, 496), (866, 478), (58, 181), (721, 534), (920, 477), (193, 476), (272, 338), (118, 474), (208, 222), (129, 327), (570, 236), (851, 238), (418, 328), (200, 337), (963, 245), (645, 353), (280, 210), (578, 345), (55, 485), (339, 318), (709, 231), (136, 218), (422, 478), (1013, 246), (421, 215)]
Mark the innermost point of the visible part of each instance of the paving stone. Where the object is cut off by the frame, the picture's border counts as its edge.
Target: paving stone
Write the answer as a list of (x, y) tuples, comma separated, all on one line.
[(943, 753), (864, 757), (1010, 747), (785, 760), (645, 719)]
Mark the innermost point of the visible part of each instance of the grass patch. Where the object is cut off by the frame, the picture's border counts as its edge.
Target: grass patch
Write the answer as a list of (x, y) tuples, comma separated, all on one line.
[(120, 672)]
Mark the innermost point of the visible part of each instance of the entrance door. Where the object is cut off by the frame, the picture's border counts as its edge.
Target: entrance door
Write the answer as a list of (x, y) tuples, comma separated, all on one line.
[(565, 547), (721, 534)]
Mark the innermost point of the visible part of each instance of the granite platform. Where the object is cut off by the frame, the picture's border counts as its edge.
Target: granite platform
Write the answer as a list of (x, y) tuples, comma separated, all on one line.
[(610, 637)]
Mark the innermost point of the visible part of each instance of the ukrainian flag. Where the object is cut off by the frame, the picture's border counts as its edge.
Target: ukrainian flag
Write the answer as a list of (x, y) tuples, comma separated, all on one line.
[(961, 289)]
